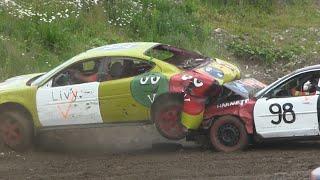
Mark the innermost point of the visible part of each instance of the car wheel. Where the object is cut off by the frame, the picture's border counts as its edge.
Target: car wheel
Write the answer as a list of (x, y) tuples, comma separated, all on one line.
[(16, 131), (228, 134), (167, 119)]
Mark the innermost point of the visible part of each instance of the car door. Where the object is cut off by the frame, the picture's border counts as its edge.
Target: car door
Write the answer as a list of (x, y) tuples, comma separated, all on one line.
[(286, 112), (68, 104), (116, 100)]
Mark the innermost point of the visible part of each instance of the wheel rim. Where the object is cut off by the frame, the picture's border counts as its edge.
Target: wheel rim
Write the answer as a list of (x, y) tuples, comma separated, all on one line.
[(228, 135), (169, 124), (10, 132)]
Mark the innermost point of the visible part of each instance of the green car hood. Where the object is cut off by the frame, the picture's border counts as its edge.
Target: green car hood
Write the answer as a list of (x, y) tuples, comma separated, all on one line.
[(17, 81)]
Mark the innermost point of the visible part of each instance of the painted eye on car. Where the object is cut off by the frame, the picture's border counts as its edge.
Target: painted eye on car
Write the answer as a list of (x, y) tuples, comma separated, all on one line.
[(186, 77), (144, 80), (155, 80), (197, 82)]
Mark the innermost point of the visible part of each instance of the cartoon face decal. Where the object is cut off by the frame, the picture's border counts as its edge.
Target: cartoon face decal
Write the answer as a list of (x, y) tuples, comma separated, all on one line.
[(191, 82), (217, 73), (145, 88), (196, 82)]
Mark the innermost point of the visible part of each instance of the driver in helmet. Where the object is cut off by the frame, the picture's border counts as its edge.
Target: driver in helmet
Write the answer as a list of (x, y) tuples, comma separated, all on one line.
[(306, 86), (109, 72)]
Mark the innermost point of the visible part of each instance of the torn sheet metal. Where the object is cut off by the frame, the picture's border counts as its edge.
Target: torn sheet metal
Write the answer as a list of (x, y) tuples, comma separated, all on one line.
[(244, 87)]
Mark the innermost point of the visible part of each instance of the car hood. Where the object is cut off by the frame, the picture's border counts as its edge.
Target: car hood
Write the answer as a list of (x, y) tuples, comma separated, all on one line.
[(17, 81), (245, 87), (220, 70)]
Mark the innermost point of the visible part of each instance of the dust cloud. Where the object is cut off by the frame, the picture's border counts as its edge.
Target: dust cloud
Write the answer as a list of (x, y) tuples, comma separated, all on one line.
[(108, 139)]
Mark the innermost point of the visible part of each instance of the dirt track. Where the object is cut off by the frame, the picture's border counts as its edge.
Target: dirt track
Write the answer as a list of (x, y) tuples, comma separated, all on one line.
[(69, 155)]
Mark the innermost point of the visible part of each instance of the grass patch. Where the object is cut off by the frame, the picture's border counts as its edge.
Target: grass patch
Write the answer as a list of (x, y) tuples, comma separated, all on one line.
[(268, 31)]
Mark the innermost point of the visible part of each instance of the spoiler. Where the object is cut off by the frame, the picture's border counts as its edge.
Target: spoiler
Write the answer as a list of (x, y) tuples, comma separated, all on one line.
[(244, 87)]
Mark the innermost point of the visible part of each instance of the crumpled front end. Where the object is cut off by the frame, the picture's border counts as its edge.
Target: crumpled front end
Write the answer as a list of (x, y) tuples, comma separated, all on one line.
[(195, 87), (238, 102), (198, 85)]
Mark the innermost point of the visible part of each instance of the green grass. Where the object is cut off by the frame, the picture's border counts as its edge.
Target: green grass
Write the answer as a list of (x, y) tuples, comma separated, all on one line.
[(267, 31)]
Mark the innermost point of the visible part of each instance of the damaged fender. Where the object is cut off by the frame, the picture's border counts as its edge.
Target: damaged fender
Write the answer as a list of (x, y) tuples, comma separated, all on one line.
[(195, 88), (242, 108)]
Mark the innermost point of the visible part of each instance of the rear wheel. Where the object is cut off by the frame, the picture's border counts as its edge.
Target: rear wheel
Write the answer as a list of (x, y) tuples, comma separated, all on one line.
[(167, 119), (16, 131), (228, 134)]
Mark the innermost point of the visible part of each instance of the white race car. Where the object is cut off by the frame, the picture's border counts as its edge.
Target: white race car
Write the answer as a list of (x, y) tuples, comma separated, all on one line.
[(288, 108)]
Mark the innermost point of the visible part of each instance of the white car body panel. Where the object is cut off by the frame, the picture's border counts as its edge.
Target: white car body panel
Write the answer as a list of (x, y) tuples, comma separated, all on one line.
[(306, 117), (68, 105)]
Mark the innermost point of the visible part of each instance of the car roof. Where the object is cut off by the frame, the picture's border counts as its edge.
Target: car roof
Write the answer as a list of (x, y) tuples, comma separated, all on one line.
[(132, 49), (308, 68)]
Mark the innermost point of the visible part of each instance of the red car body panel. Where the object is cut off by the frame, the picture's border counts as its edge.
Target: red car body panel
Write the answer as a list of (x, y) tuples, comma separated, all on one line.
[(195, 87), (240, 108)]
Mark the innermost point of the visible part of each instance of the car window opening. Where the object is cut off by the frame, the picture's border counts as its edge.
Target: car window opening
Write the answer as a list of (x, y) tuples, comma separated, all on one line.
[(105, 69), (181, 58), (305, 84)]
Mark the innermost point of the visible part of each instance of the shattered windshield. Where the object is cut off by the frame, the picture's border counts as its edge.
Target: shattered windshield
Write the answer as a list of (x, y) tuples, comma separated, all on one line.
[(181, 58)]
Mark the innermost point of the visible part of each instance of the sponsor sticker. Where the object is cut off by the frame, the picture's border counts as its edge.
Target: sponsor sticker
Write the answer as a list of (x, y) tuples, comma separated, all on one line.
[(233, 103)]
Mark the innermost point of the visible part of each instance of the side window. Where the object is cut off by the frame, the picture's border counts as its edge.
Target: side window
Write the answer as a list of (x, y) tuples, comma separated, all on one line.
[(122, 67), (78, 73), (305, 84), (141, 67)]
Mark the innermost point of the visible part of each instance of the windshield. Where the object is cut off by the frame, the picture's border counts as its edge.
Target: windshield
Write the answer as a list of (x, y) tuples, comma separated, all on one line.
[(181, 58)]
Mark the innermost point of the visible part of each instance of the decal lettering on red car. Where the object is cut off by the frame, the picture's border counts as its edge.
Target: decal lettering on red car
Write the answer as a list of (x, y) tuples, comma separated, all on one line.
[(233, 103)]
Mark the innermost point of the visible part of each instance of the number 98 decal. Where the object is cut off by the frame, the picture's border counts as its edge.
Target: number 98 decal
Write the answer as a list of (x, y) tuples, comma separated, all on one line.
[(283, 112)]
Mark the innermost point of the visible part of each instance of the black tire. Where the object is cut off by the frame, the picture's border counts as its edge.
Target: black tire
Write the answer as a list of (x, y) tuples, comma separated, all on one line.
[(170, 107), (228, 134), (16, 131)]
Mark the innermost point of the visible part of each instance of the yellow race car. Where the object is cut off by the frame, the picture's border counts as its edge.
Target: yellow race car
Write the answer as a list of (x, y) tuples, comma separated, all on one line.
[(140, 83)]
